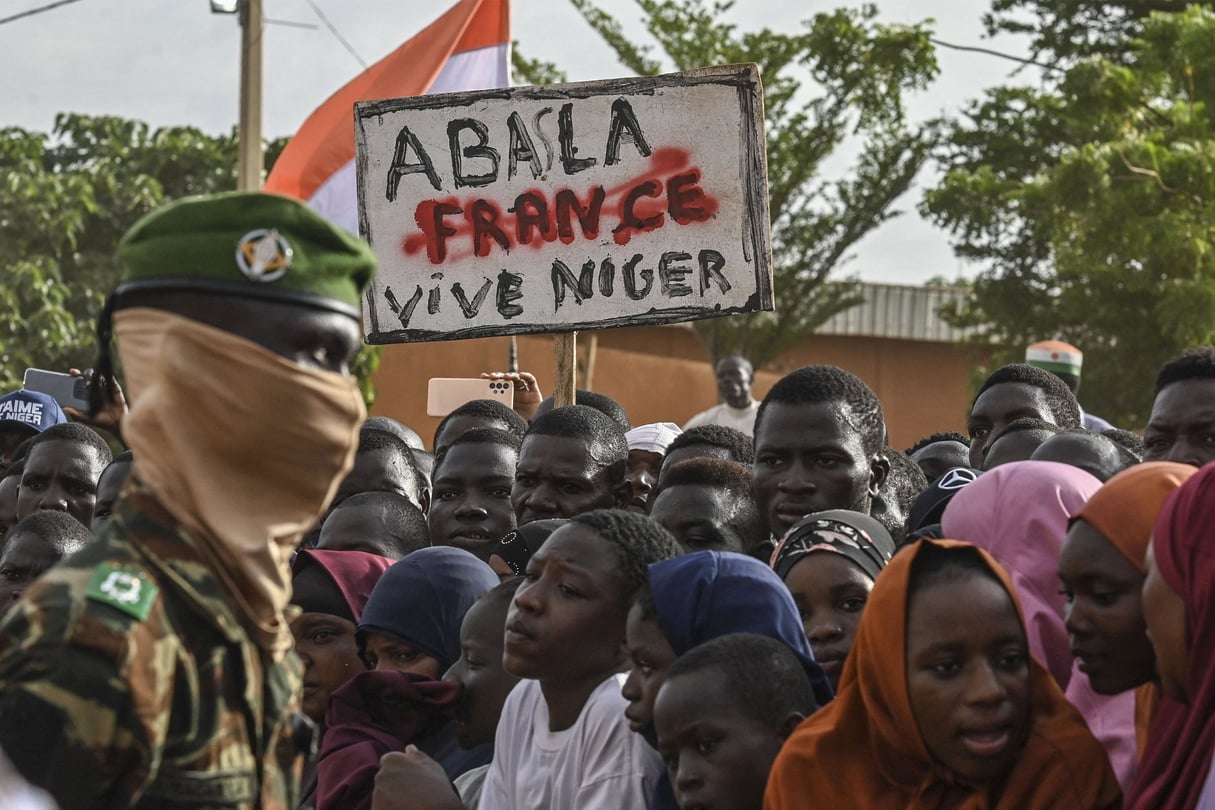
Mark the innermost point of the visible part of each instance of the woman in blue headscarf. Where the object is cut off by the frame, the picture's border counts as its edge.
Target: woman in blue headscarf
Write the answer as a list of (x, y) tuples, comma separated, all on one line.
[(695, 598), (412, 620), (408, 635)]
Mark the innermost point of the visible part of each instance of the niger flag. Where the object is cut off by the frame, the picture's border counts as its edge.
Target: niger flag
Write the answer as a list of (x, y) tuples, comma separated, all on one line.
[(468, 48)]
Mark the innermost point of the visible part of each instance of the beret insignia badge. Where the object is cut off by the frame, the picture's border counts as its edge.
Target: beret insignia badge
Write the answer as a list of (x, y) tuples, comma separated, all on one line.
[(263, 255)]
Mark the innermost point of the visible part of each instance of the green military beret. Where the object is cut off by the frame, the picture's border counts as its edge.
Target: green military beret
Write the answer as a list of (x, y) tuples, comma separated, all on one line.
[(246, 244)]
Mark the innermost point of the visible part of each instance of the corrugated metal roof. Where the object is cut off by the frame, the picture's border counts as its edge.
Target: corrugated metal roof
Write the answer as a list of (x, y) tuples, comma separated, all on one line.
[(900, 311)]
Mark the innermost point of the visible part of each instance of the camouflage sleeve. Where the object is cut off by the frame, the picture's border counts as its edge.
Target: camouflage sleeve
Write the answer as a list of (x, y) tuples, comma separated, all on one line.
[(82, 695)]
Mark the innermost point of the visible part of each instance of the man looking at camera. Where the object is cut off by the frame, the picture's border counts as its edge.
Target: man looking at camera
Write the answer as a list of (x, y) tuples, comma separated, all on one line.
[(737, 408)]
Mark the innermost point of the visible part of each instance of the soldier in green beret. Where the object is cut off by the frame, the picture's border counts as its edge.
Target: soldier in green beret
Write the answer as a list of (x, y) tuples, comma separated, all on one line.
[(154, 668)]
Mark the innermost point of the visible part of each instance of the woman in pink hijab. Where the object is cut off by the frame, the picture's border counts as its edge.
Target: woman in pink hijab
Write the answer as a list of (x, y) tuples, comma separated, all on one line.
[(1019, 513)]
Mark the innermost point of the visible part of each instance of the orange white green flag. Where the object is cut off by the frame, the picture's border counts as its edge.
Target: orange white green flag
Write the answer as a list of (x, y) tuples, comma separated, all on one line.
[(468, 48)]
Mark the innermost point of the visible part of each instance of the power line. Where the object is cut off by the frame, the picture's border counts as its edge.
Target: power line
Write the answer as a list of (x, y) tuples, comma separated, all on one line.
[(990, 52), (34, 11), (333, 30), (289, 23)]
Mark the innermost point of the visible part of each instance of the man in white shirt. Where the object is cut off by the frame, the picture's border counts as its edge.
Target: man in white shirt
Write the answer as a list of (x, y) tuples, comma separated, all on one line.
[(738, 409)]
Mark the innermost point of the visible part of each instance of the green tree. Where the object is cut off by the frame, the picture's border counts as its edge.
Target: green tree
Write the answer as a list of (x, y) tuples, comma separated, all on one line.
[(1061, 31), (1090, 201), (66, 198), (843, 77), (533, 71)]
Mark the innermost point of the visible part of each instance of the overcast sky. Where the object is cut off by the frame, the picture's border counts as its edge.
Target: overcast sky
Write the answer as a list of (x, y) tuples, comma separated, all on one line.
[(173, 62)]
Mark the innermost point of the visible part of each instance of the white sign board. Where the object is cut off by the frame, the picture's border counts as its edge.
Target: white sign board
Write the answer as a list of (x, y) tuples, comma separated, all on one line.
[(551, 209)]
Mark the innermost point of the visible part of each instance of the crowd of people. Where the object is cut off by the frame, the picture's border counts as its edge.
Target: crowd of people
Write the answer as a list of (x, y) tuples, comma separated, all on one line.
[(267, 599)]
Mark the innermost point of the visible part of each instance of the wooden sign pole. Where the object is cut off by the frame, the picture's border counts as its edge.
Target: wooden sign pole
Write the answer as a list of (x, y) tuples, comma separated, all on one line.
[(566, 371), (588, 373)]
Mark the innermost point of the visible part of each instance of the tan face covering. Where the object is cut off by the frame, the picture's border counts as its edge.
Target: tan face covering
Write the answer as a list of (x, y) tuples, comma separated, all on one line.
[(242, 446)]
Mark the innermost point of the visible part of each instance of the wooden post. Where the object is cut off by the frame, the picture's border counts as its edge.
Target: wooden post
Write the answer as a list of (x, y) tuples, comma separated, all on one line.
[(588, 369), (249, 154), (565, 384)]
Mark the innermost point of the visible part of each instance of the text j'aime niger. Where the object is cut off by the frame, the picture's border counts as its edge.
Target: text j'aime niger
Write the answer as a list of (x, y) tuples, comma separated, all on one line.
[(454, 229)]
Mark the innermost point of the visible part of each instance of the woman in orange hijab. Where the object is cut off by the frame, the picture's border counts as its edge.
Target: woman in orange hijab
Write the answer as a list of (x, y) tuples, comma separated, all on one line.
[(1102, 570), (940, 705)]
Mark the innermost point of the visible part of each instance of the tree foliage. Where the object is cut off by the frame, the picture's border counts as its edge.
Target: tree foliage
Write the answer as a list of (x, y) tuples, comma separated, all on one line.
[(839, 81), (1091, 201), (533, 71), (1062, 31), (66, 198)]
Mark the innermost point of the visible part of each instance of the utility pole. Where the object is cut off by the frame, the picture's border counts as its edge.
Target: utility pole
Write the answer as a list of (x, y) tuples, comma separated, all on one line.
[(249, 161)]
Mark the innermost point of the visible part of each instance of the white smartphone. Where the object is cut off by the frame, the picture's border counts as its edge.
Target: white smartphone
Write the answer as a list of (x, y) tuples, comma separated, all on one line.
[(68, 391), (445, 394)]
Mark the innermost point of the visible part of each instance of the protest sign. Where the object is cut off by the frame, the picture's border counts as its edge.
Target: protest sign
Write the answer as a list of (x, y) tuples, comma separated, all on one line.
[(565, 207)]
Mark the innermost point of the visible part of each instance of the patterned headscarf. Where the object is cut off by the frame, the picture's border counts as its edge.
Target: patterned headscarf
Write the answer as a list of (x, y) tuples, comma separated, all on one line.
[(857, 536)]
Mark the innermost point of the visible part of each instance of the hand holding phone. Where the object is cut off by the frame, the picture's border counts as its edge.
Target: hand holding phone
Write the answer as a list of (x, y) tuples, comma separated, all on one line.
[(528, 395), (445, 394), (67, 390)]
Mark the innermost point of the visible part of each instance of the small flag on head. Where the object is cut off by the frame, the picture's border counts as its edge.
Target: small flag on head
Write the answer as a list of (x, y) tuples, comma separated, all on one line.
[(1055, 356), (468, 48)]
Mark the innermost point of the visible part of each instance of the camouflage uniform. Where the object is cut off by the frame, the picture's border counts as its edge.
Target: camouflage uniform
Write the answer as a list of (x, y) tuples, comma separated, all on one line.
[(126, 680)]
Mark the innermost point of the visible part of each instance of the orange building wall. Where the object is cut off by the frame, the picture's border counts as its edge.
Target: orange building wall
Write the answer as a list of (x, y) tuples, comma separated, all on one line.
[(663, 374)]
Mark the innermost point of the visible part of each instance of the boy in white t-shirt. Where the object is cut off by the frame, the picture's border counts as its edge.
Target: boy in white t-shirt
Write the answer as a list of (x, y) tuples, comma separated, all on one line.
[(563, 741)]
